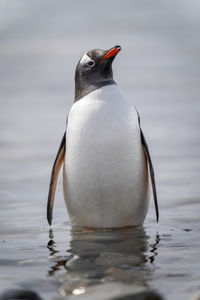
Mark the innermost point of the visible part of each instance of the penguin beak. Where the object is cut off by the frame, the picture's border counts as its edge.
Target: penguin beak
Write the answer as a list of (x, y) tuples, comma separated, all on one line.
[(111, 53)]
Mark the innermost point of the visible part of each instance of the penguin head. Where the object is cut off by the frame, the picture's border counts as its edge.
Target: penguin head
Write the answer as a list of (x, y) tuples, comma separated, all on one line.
[(94, 70)]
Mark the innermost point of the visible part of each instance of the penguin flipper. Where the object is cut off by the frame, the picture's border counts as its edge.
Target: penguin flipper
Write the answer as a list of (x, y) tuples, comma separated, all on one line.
[(151, 171), (54, 178)]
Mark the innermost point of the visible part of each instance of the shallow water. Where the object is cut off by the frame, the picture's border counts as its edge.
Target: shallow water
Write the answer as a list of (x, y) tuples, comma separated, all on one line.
[(159, 69)]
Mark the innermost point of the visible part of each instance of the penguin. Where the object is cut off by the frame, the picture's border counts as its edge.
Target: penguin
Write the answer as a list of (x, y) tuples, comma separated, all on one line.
[(107, 167)]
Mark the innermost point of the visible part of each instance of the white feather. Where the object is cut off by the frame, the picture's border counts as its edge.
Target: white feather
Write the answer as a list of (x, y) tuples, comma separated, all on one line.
[(105, 170), (85, 59)]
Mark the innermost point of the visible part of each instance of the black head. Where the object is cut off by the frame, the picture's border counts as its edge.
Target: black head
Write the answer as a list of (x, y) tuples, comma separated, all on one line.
[(94, 70)]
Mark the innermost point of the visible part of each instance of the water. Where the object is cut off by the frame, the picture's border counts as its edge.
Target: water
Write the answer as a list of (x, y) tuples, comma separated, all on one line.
[(158, 68)]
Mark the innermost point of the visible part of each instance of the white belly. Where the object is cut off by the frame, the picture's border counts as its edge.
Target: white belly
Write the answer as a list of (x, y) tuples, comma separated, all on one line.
[(105, 171)]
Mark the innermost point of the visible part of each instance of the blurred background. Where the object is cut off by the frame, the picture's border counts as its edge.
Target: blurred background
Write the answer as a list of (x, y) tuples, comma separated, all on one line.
[(158, 69)]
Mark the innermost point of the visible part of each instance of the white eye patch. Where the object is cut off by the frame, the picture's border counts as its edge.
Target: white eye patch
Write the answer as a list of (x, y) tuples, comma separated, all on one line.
[(85, 59)]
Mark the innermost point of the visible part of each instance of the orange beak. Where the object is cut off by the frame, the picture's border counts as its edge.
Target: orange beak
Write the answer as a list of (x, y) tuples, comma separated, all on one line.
[(112, 52)]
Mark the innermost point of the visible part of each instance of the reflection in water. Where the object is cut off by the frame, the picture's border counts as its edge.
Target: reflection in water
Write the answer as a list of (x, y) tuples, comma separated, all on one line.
[(60, 261), (105, 256), (154, 249)]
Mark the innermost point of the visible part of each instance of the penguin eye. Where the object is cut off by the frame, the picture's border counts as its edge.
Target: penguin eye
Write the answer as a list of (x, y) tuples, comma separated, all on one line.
[(91, 63)]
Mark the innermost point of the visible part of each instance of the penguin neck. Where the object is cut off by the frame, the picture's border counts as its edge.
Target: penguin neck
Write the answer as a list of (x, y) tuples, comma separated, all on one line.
[(83, 88)]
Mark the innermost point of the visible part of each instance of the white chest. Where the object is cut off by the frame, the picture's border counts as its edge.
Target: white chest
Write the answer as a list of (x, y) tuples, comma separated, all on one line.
[(105, 171)]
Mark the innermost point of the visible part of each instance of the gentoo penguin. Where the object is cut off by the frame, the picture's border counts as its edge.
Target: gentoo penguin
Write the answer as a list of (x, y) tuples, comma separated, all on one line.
[(105, 157)]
